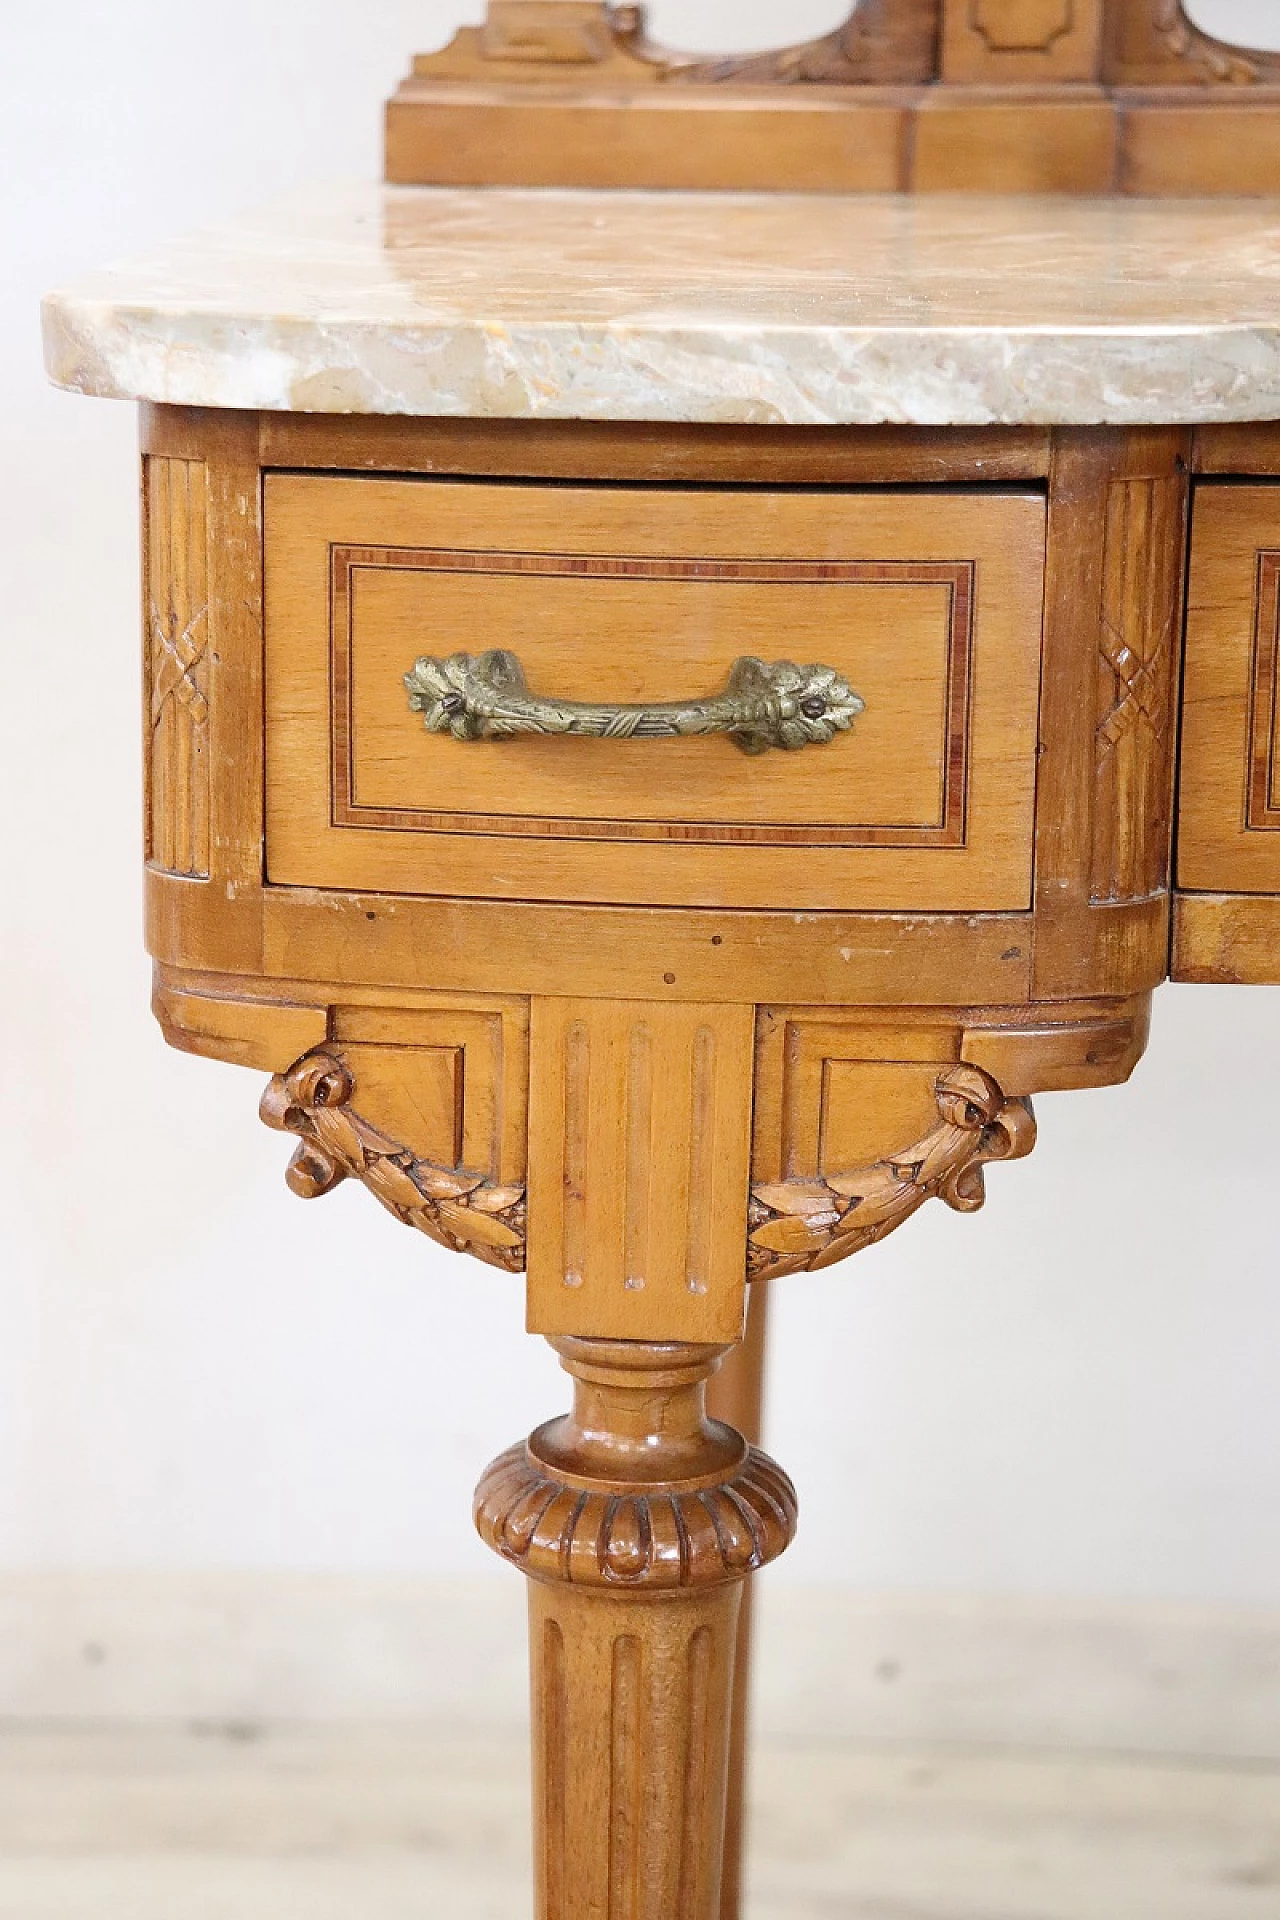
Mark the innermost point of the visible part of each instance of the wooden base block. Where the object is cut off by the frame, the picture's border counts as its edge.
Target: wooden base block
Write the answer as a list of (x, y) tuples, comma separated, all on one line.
[(1046, 139), (1226, 939), (1207, 145), (985, 142), (804, 141)]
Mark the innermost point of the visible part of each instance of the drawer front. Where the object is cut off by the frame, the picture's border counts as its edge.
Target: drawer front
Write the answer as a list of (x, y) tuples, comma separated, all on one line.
[(1229, 802), (929, 604)]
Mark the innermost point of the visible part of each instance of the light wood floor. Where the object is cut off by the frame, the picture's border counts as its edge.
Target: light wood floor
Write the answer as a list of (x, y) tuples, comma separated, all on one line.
[(234, 1824)]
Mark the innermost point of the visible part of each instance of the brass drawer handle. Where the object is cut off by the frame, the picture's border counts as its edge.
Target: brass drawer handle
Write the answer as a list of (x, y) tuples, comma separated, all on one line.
[(766, 704)]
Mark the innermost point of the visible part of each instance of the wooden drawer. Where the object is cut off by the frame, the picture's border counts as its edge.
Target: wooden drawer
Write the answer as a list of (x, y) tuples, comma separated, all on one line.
[(1229, 804), (928, 602)]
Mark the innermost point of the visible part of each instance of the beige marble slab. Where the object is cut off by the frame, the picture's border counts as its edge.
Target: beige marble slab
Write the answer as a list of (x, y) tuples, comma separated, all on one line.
[(794, 309)]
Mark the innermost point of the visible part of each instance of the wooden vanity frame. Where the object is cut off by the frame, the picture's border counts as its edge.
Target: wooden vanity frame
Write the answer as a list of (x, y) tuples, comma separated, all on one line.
[(418, 1044), (1099, 917)]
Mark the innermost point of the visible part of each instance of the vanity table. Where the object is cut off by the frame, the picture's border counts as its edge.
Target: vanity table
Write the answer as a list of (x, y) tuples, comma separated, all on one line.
[(668, 714)]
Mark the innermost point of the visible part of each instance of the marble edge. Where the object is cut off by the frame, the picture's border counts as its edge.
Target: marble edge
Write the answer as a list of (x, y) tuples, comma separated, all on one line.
[(675, 373)]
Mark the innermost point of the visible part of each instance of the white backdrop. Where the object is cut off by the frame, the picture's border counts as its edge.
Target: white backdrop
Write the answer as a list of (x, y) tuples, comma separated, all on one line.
[(1073, 1394)]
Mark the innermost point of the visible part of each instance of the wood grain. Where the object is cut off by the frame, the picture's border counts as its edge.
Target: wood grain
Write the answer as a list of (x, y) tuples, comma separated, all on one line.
[(984, 141), (448, 1078), (1229, 819), (1226, 940), (525, 41), (289, 933), (384, 599), (857, 1125), (1140, 619), (460, 1209), (678, 139), (638, 1519), (930, 140), (800, 1225), (1154, 43), (860, 1120), (1099, 1047), (883, 41), (176, 615), (1002, 96), (774, 1008), (1103, 821), (639, 1140), (427, 1106), (236, 726), (1007, 42), (938, 629), (218, 917), (629, 450), (1131, 43), (1171, 148), (224, 1018), (735, 1395), (838, 1088), (1236, 450)]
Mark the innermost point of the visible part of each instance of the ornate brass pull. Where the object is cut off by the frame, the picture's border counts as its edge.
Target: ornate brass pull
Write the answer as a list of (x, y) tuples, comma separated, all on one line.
[(486, 697)]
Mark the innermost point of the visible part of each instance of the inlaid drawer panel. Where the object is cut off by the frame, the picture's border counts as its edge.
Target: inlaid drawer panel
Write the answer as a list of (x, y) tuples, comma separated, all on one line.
[(1229, 809), (928, 604)]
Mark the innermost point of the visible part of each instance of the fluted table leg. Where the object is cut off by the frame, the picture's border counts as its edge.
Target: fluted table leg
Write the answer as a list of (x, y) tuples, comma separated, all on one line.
[(735, 1393), (637, 1519)]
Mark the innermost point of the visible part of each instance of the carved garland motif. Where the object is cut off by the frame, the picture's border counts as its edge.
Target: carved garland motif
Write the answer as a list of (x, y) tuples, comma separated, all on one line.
[(798, 1225), (462, 1211), (647, 1539), (793, 1225)]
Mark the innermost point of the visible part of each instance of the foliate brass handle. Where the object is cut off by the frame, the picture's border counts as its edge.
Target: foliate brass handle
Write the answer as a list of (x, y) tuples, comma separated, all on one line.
[(766, 704)]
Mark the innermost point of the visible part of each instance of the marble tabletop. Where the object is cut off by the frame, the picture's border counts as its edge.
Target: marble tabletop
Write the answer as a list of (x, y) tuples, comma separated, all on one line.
[(807, 310)]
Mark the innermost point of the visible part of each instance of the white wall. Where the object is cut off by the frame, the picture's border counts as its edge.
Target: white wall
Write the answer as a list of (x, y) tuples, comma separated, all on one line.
[(1073, 1394)]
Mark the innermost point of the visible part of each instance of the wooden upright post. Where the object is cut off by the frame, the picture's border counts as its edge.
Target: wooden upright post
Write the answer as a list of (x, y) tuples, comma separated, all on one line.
[(637, 1520)]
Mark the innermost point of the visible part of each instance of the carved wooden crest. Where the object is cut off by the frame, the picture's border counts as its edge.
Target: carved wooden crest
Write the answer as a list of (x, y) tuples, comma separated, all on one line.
[(568, 93)]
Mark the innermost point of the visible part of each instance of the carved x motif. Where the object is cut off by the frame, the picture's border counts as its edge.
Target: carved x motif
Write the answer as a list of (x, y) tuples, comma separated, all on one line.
[(1143, 690), (176, 654)]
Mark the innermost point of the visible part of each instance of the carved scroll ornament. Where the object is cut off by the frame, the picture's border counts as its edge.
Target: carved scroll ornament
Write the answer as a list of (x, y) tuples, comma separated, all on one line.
[(794, 1225), (1209, 58), (890, 41), (462, 1211)]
